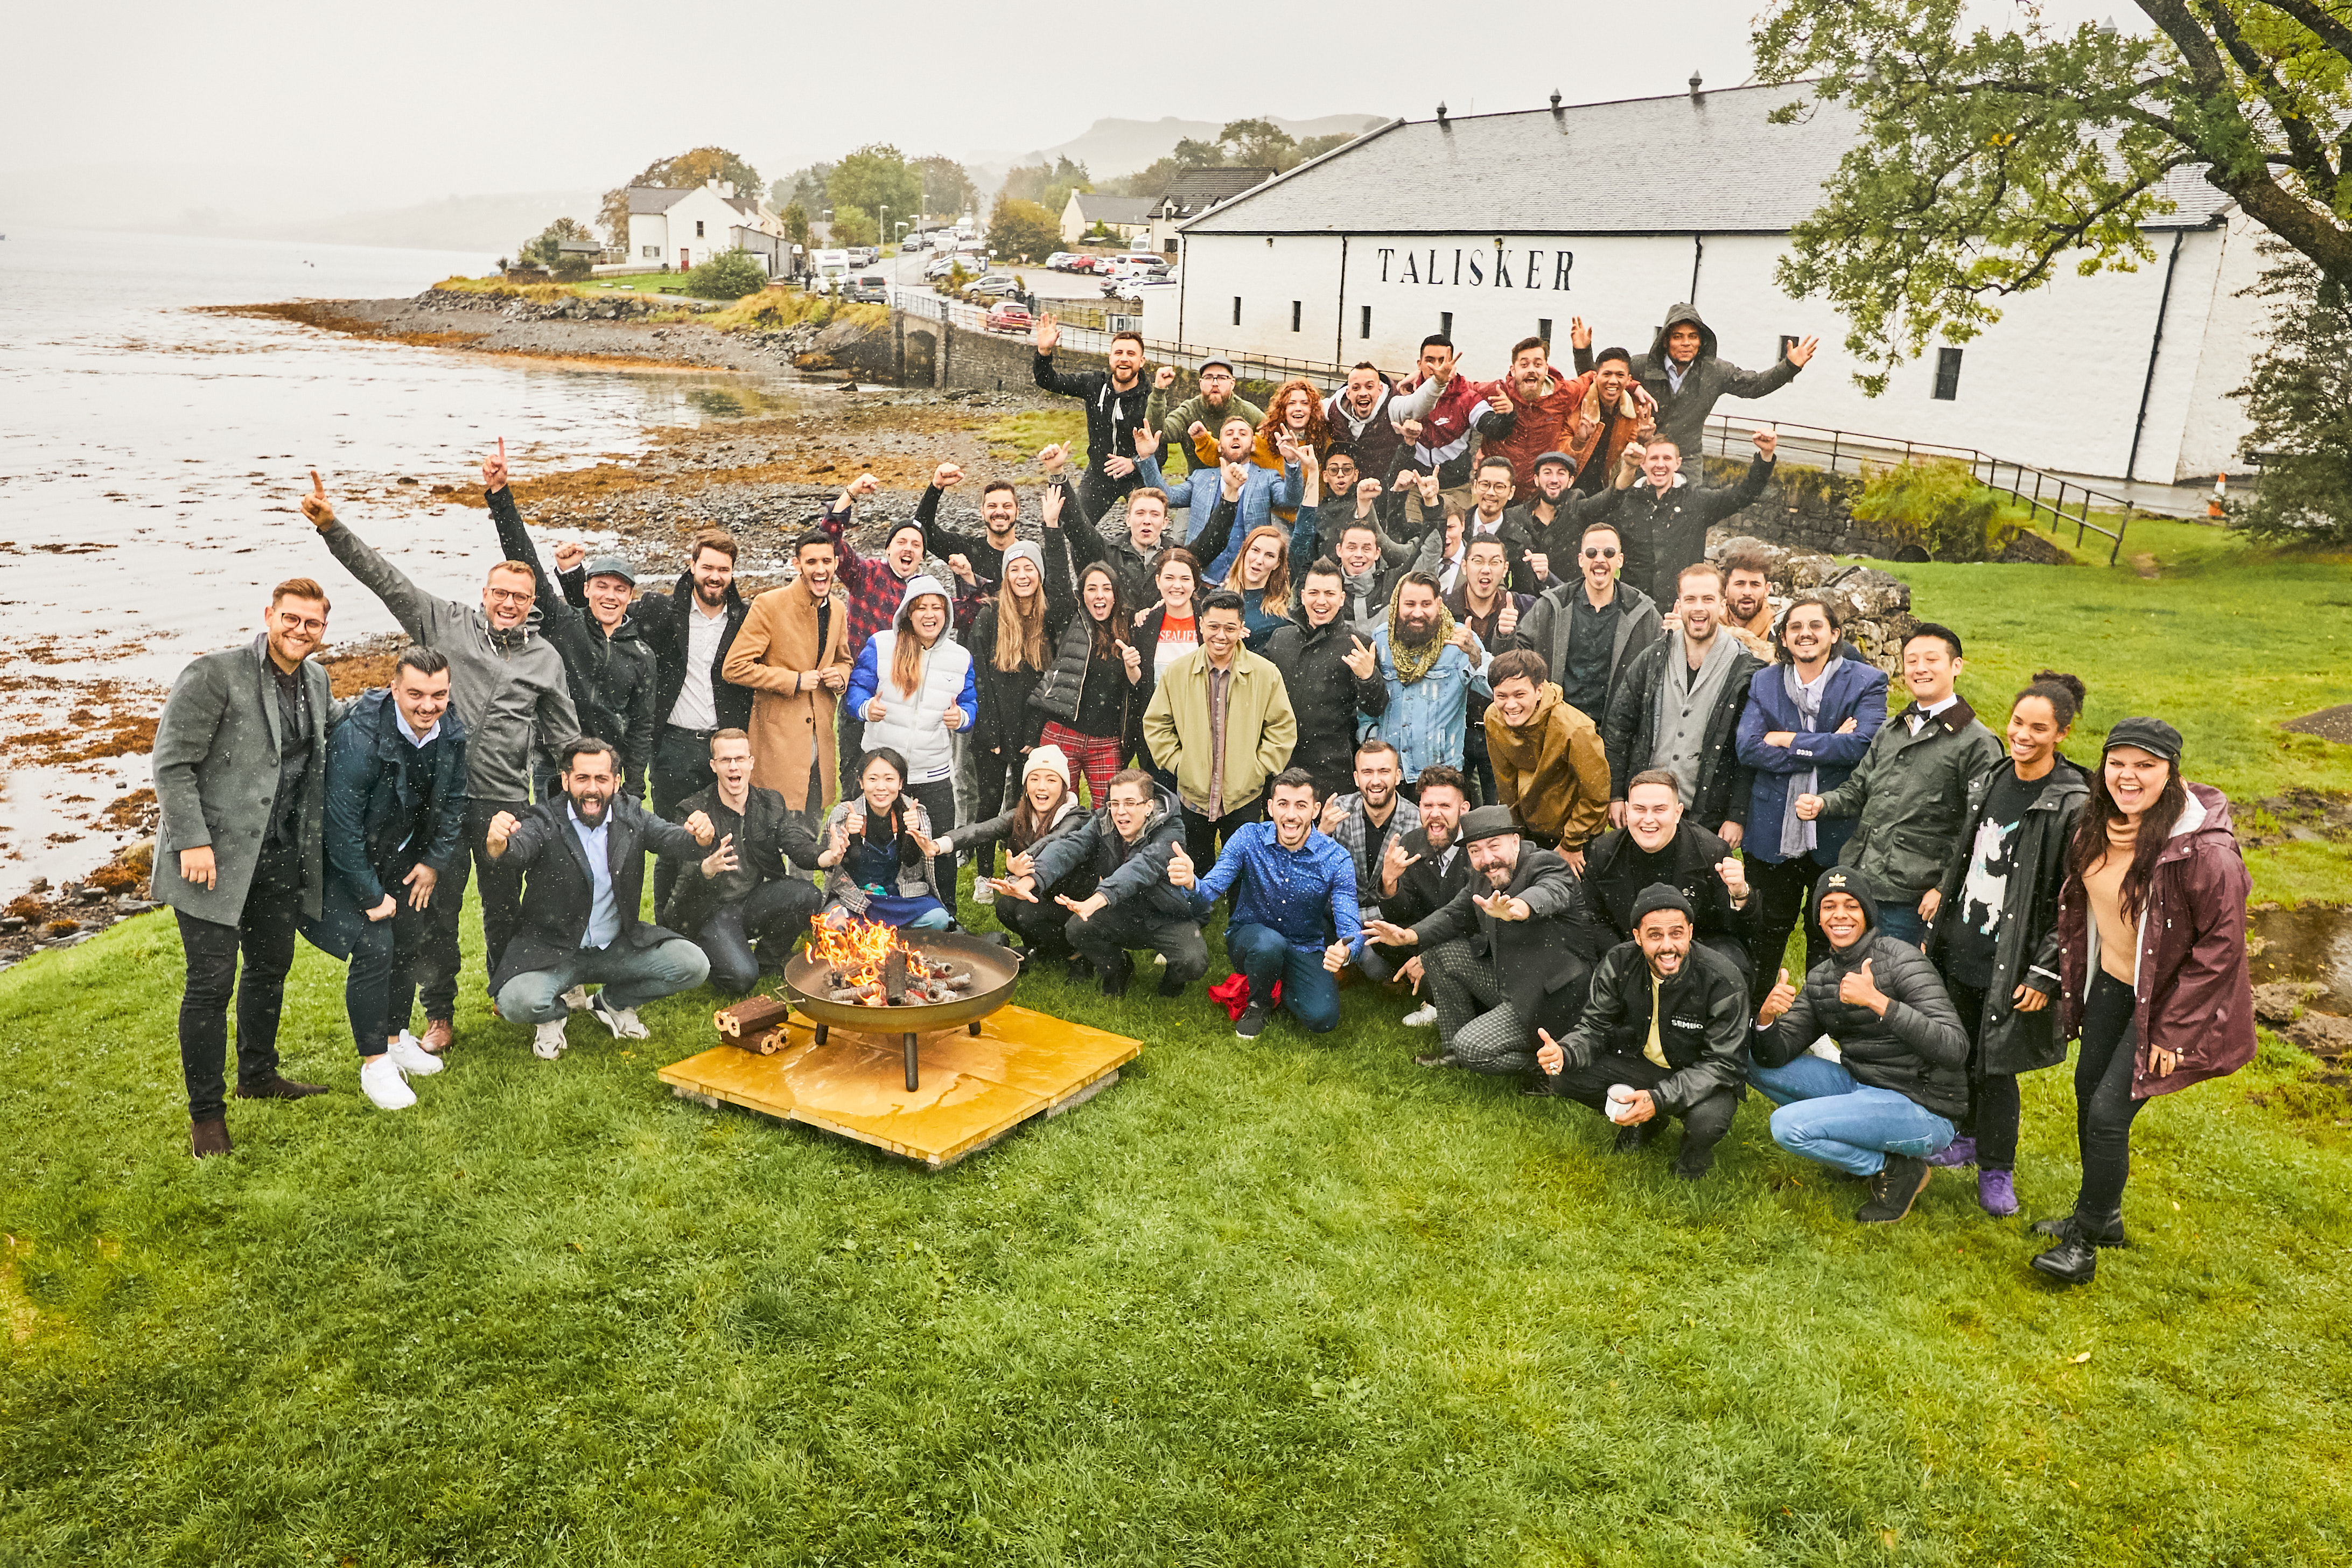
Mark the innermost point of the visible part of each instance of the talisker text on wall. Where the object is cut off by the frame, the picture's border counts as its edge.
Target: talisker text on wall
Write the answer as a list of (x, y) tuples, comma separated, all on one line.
[(1477, 266)]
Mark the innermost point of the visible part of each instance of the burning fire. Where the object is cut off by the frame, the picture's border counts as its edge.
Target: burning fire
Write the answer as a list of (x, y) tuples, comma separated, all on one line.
[(856, 952)]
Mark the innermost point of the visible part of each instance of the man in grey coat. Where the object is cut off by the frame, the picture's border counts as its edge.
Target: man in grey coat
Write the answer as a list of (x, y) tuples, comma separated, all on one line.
[(1685, 374), (1588, 627), (508, 688), (240, 768)]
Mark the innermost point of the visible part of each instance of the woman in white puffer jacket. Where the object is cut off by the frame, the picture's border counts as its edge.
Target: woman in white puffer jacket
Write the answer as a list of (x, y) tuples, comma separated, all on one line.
[(912, 686)]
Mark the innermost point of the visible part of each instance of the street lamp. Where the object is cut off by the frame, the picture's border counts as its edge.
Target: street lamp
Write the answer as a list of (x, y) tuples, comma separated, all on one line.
[(882, 229)]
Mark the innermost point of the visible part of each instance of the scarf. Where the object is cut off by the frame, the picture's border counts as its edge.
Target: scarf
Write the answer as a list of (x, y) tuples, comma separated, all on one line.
[(1799, 836), (1679, 721), (1413, 660)]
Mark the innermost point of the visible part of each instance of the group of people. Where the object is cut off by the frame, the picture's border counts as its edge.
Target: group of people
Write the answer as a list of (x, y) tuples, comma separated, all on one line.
[(1433, 687)]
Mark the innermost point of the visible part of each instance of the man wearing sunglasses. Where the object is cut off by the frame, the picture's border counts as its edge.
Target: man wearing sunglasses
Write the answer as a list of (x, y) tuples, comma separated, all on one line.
[(1590, 626)]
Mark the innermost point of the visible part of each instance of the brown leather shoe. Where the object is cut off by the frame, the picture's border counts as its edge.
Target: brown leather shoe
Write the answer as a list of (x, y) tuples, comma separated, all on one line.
[(440, 1034), (278, 1086), (208, 1137)]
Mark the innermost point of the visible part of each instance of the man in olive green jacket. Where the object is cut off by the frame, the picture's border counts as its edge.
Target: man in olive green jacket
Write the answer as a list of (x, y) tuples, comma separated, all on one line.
[(1219, 725)]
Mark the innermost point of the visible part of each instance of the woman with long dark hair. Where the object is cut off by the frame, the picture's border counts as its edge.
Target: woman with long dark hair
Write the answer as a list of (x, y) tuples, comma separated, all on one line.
[(1088, 696), (1011, 649), (876, 847), (1993, 927), (2152, 966)]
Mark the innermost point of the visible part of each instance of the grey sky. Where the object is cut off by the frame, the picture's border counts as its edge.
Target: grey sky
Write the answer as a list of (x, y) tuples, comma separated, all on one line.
[(368, 106)]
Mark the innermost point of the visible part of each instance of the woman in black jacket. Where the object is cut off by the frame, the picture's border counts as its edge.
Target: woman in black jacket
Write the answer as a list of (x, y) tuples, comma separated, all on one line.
[(1994, 927), (1868, 1062), (1089, 697), (1012, 639), (1048, 806)]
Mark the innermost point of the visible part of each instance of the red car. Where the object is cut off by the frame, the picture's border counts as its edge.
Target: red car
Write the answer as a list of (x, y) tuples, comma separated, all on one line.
[(1009, 317), (1084, 263)]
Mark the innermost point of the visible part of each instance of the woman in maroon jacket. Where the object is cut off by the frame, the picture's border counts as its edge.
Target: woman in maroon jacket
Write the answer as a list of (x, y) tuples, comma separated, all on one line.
[(2152, 956)]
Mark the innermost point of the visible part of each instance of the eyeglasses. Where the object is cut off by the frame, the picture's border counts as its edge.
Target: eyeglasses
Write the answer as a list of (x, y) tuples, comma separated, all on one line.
[(293, 623), (1606, 553), (508, 595)]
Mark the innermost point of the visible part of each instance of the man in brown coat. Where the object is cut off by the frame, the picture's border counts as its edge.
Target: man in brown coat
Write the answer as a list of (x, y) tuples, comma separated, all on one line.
[(794, 653), (1551, 768)]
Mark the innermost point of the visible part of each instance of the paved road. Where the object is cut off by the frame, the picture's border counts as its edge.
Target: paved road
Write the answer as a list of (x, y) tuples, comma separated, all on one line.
[(906, 271)]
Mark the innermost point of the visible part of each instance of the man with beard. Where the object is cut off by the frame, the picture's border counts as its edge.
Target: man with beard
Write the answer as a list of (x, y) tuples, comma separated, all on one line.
[(1431, 665), (1664, 518), (1330, 673), (242, 866), (1367, 821), (1542, 402), (1133, 556), (1446, 414), (1194, 424), (794, 655), (1678, 709), (1481, 601), (1360, 414), (1589, 628), (1657, 847), (1352, 498), (1611, 412), (1116, 402), (1664, 1033), (1261, 491), (1539, 942), (1542, 529), (585, 857), (692, 633), (1364, 584), (1419, 874), (1748, 600), (510, 692), (976, 559)]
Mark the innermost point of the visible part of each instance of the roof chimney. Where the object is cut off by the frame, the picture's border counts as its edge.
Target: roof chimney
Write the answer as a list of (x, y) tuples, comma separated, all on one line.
[(1441, 113), (726, 187), (1694, 82), (1555, 101)]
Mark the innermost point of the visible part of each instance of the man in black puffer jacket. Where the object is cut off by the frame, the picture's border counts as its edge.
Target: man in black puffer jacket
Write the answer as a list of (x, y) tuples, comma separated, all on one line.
[(1128, 842), (1333, 675), (1868, 1062), (1668, 1021)]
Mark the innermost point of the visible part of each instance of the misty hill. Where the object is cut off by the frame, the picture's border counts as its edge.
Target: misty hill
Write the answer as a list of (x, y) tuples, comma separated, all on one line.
[(1114, 147)]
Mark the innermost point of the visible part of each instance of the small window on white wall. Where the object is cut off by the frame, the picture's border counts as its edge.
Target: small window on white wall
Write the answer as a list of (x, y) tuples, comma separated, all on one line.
[(1237, 310), (1294, 315), (1365, 331), (1948, 375), (698, 228)]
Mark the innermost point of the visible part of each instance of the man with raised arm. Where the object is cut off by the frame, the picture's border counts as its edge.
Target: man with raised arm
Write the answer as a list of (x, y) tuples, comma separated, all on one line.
[(1663, 518), (1445, 413), (1543, 528), (241, 777), (976, 559), (1115, 400), (1193, 427), (1686, 375), (1131, 554), (508, 688), (743, 890)]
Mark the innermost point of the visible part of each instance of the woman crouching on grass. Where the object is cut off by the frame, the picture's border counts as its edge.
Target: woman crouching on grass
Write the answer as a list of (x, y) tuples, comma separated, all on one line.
[(879, 848), (1994, 927), (1048, 806), (1087, 701), (2152, 964)]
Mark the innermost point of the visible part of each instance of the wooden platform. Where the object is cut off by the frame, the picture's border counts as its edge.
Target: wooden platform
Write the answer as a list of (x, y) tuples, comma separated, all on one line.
[(975, 1088)]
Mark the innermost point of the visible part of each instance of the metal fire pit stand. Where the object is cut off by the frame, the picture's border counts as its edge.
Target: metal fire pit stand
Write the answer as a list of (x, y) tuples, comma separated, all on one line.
[(995, 971)]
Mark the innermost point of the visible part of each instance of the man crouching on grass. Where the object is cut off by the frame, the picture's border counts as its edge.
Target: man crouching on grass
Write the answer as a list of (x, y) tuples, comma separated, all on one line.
[(585, 860)]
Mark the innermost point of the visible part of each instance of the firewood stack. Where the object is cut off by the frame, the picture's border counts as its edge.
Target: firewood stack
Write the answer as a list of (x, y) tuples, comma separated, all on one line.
[(906, 980), (756, 1024)]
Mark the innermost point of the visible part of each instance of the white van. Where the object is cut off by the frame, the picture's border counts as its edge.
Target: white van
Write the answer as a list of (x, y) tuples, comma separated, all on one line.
[(827, 268)]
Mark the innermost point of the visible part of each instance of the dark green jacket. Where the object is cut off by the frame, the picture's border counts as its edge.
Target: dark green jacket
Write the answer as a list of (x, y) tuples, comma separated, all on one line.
[(1911, 793)]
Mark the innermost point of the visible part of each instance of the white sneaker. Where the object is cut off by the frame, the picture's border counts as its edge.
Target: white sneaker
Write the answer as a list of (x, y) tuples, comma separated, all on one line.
[(621, 1021), (382, 1082), (983, 892), (1422, 1018), (548, 1043), (576, 998), (415, 1061)]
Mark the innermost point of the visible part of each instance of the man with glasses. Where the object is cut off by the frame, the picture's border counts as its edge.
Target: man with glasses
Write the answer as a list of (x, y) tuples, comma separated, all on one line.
[(508, 686), (1588, 627)]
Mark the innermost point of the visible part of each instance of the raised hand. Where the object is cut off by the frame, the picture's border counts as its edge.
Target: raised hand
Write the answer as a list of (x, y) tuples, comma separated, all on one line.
[(836, 843), (1164, 378), (1195, 430), (1548, 1056), (1781, 997), (1147, 441), (1180, 869), (1086, 909), (1410, 430), (1048, 333), (569, 555), (961, 566), (1335, 958), (863, 488), (1117, 467), (698, 824), (500, 829), (1234, 476), (1540, 565), (1507, 619), (1333, 815), (721, 861), (1499, 400), (1287, 449), (1800, 353), (1369, 491), (1629, 462), (1858, 989), (1466, 640), (421, 880), (1051, 455), (1393, 861), (947, 476), (315, 507), (1766, 441), (876, 711), (494, 469), (1049, 506), (1427, 485), (1132, 657), (952, 718), (1580, 336), (1734, 872)]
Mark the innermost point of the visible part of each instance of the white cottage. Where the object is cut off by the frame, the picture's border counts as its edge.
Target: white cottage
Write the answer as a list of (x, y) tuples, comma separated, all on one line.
[(1493, 227), (684, 228)]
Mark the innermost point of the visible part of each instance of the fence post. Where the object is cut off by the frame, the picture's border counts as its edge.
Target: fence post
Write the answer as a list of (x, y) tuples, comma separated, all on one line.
[(1836, 437), (2122, 524)]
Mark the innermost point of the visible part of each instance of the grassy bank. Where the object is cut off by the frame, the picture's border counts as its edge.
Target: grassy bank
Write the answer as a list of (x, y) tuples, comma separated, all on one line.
[(1281, 1303)]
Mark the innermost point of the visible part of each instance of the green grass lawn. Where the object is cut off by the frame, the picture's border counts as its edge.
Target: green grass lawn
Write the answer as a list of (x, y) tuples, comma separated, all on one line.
[(1287, 1301)]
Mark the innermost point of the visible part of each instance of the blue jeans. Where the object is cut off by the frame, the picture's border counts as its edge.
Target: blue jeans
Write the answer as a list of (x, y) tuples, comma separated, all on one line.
[(1900, 920), (1311, 994), (633, 976), (1827, 1116)]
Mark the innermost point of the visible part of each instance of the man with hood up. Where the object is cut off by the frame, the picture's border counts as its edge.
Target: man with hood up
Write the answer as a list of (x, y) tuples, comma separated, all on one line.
[(1686, 375), (1868, 1061)]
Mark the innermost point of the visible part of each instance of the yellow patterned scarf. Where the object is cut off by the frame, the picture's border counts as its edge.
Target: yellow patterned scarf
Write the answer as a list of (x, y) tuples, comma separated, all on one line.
[(1413, 660)]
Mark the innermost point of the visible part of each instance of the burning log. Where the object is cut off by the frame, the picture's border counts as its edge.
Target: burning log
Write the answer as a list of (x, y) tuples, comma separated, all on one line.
[(749, 1016), (894, 978)]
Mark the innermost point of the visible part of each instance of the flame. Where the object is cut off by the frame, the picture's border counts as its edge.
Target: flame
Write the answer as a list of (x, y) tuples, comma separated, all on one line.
[(858, 949)]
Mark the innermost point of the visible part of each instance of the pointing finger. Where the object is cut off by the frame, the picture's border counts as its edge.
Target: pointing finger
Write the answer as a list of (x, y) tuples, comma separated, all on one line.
[(318, 486), (503, 448)]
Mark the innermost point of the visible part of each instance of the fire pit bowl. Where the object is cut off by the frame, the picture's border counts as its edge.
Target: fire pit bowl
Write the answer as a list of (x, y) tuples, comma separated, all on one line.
[(810, 984)]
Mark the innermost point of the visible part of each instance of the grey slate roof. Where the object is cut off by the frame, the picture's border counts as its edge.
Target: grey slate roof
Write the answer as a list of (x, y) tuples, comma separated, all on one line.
[(656, 199), (1677, 165), (1094, 207), (1196, 190)]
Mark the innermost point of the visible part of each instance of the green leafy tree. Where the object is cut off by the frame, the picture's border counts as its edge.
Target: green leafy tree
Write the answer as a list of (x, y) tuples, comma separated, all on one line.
[(796, 223), (1018, 228), (2298, 398), (1988, 160), (853, 225), (547, 249), (730, 275), (1316, 146), (948, 190), (686, 170), (1156, 176), (871, 179), (805, 186), (1259, 144)]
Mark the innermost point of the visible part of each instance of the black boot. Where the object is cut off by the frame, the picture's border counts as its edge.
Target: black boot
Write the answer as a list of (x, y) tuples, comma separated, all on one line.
[(1114, 980), (1693, 1160), (1630, 1139), (2099, 1230), (2072, 1262), (1899, 1182)]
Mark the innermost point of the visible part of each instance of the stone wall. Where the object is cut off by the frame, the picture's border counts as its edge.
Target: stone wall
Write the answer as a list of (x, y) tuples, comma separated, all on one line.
[(1805, 509)]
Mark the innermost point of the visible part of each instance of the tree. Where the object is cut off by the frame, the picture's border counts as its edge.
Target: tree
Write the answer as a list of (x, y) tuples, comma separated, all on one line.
[(547, 250), (1316, 146), (1156, 176), (1259, 144), (2298, 398), (948, 190), (730, 275), (796, 224), (1017, 227), (683, 172), (871, 179), (805, 186), (852, 226), (1988, 160)]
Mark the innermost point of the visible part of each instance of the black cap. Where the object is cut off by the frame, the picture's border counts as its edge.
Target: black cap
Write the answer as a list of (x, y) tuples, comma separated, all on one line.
[(1486, 822), (1662, 895), (2153, 736), (1853, 884)]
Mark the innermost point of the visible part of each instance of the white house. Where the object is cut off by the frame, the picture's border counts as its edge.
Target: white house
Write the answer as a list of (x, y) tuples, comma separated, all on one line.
[(685, 228), (1491, 227), (1125, 216), (1193, 192)]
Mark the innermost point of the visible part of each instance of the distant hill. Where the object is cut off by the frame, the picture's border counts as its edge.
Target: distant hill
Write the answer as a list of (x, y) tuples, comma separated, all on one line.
[(1114, 147), (493, 223)]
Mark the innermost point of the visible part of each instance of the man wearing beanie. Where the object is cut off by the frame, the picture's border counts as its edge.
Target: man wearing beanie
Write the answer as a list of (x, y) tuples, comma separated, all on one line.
[(1868, 1061), (1540, 945), (1666, 1031)]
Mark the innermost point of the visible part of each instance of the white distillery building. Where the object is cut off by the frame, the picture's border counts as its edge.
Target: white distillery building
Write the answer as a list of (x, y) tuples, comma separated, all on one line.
[(1493, 227)]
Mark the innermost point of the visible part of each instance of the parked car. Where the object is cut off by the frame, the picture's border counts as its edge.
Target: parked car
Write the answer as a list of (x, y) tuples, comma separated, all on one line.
[(940, 265), (1059, 261), (864, 255), (866, 288), (915, 242), (992, 286), (1010, 316), (1083, 262)]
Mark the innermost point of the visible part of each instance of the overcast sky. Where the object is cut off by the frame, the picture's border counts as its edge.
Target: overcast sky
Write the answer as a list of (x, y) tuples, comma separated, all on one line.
[(387, 105)]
